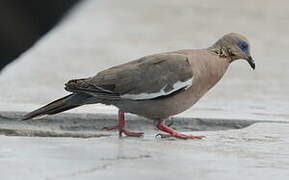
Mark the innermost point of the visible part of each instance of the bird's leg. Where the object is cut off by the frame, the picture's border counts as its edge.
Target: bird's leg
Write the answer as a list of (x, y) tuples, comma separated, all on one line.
[(173, 133), (121, 126)]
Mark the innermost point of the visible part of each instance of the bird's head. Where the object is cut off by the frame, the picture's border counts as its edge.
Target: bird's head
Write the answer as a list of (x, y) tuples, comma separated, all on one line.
[(234, 46)]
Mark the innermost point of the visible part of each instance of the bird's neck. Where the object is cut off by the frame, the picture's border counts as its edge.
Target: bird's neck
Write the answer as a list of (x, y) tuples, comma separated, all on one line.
[(220, 52)]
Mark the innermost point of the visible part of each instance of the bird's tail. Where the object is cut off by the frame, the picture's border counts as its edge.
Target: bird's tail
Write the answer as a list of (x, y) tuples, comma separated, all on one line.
[(63, 104)]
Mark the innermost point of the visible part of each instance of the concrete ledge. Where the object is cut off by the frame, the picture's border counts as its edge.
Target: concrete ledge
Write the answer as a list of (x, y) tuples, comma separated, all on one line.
[(90, 125)]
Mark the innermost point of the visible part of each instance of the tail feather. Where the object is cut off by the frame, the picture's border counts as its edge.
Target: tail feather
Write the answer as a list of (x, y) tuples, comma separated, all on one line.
[(63, 104)]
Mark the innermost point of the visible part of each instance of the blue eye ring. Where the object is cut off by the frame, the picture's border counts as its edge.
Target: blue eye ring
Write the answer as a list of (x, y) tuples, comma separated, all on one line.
[(243, 46)]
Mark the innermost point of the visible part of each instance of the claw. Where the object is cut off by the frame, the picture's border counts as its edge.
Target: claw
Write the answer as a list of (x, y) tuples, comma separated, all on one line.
[(158, 135), (173, 133), (180, 136), (132, 134), (163, 135)]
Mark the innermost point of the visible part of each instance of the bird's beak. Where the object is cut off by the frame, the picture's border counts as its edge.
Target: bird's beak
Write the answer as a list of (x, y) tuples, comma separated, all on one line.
[(250, 60)]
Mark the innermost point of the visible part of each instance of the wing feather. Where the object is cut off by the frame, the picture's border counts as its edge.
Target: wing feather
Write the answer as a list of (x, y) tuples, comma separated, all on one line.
[(149, 77)]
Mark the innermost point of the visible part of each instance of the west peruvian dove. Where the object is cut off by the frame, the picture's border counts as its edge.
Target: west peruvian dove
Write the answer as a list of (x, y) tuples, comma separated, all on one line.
[(156, 86)]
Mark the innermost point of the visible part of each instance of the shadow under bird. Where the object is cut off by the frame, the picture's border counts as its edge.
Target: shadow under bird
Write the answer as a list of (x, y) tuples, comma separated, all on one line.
[(156, 86)]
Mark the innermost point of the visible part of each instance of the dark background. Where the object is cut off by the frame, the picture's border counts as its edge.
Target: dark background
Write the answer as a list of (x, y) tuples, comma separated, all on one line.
[(23, 22)]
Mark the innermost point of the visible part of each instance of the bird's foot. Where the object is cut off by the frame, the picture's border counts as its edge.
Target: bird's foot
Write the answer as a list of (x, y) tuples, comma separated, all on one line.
[(130, 133), (111, 128), (180, 136), (173, 133)]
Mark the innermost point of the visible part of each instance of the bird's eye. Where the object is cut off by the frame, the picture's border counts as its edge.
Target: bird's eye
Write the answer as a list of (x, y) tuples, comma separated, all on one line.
[(243, 45)]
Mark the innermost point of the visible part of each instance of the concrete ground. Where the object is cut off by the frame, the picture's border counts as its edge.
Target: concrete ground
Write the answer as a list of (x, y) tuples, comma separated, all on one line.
[(99, 34), (259, 151)]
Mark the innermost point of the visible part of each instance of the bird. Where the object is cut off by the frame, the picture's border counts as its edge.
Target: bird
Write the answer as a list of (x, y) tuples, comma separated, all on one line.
[(156, 86)]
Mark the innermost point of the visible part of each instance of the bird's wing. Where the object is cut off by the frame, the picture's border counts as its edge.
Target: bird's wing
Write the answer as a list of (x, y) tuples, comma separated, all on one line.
[(149, 77)]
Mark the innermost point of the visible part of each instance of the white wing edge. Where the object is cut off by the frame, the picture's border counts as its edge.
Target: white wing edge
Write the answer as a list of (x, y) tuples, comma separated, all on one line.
[(143, 96)]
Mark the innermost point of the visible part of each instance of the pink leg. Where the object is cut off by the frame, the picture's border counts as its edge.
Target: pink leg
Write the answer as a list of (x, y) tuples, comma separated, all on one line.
[(121, 127), (174, 133), (121, 123)]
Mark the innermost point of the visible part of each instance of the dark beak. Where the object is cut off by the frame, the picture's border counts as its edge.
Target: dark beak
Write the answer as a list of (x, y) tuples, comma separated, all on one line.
[(250, 60)]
